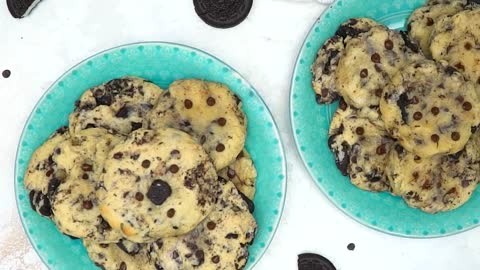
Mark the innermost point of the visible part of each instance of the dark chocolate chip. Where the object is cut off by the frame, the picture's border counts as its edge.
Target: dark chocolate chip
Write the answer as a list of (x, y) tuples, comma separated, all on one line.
[(232, 236), (87, 204), (430, 21), (211, 225), (231, 173), (417, 116), (435, 138), (6, 73), (174, 152), (360, 131), (85, 176), (378, 92), (223, 14), (123, 266), (159, 192), (311, 261), (364, 73), (435, 110), (118, 155), (173, 168), (21, 8), (455, 136), (211, 101), (375, 58), (203, 139), (221, 121), (381, 150), (343, 105), (215, 259), (467, 106), (146, 163), (220, 147), (250, 204), (171, 212), (388, 44), (139, 196), (468, 46), (460, 66), (200, 256), (188, 103)]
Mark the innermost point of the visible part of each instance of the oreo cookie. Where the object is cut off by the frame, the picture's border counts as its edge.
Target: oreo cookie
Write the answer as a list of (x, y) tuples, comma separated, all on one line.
[(223, 13), (21, 8), (312, 261)]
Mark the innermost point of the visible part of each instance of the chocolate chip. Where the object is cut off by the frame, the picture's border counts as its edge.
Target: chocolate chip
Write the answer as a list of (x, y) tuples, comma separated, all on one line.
[(378, 92), (435, 110), (215, 259), (231, 173), (465, 183), (455, 136), (123, 266), (135, 156), (232, 236), (430, 21), (388, 44), (87, 204), (221, 121), (139, 196), (460, 66), (174, 152), (87, 167), (118, 155), (311, 261), (6, 73), (343, 105), (381, 150), (146, 163), (364, 73), (417, 159), (159, 191), (417, 116), (468, 46), (203, 139), (85, 176), (171, 212), (200, 256), (467, 106), (351, 246), (188, 103), (360, 131), (211, 225), (211, 101), (375, 58), (435, 138), (123, 112), (220, 147), (49, 173), (173, 168)]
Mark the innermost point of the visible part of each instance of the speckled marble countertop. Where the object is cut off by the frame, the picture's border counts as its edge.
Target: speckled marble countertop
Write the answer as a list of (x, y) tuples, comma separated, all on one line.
[(59, 34)]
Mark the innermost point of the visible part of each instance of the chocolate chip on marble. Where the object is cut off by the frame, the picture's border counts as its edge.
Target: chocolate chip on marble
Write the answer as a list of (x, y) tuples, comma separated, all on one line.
[(188, 104), (146, 163), (364, 73), (6, 73), (87, 204), (211, 101), (220, 147), (159, 192), (173, 168), (171, 213), (351, 246), (139, 196)]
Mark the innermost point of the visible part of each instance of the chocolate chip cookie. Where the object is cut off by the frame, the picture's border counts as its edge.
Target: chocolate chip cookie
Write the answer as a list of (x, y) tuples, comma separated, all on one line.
[(209, 112), (119, 105), (360, 144), (430, 108), (328, 56), (368, 63), (438, 183), (456, 40), (242, 173), (157, 184)]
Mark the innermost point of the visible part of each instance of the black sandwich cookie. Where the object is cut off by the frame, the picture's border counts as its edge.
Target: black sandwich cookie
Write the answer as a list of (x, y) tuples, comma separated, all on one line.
[(21, 8), (223, 13), (312, 261)]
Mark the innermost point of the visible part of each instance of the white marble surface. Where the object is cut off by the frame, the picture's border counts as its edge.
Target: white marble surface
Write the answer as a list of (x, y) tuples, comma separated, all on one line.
[(59, 34)]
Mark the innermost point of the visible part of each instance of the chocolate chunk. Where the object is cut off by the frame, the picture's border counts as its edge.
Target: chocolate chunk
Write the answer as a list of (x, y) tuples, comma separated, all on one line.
[(136, 126), (159, 192), (21, 8), (6, 73), (123, 112), (430, 21), (46, 208), (311, 261), (250, 204), (224, 13)]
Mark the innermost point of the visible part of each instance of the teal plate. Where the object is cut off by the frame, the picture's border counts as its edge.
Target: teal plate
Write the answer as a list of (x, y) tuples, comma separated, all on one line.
[(161, 63), (310, 123)]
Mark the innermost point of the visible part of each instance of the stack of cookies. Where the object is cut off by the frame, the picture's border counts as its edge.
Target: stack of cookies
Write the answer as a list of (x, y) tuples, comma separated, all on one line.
[(408, 114), (151, 179)]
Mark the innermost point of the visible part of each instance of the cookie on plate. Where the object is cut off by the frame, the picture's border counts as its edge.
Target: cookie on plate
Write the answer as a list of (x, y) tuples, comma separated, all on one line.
[(326, 63), (368, 63), (41, 176), (220, 242), (435, 184), (209, 112), (74, 204), (422, 21), (242, 173), (360, 145), (456, 40), (430, 108), (157, 184), (119, 106)]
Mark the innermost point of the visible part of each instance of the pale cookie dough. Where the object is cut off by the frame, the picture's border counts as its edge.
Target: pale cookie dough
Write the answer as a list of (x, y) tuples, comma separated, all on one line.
[(119, 106), (422, 22), (157, 184), (242, 173), (329, 55), (220, 242), (430, 109), (456, 39), (439, 183), (360, 145), (41, 174), (368, 63), (208, 111)]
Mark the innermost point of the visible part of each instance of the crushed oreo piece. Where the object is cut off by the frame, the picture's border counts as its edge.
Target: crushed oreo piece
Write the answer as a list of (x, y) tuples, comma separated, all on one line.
[(312, 261), (21, 8)]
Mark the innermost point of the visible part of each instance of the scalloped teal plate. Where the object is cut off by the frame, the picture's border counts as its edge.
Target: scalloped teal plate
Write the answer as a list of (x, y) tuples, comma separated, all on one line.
[(310, 123), (161, 63)]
